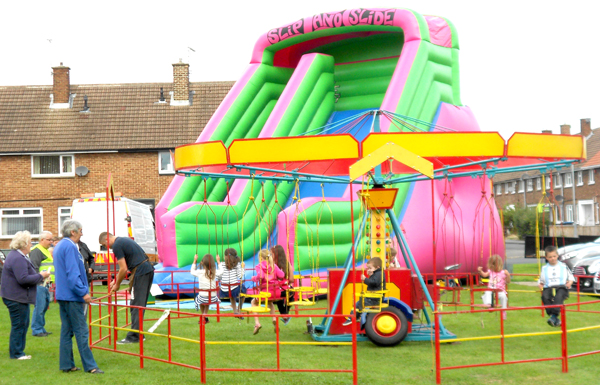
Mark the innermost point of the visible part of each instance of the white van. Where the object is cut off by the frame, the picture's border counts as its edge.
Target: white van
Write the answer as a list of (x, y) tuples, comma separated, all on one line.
[(133, 219)]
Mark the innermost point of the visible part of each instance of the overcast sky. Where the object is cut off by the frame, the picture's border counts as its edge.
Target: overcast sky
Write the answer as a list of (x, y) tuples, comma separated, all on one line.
[(525, 65)]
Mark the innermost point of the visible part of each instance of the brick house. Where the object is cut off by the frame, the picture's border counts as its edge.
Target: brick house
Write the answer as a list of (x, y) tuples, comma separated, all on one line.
[(575, 190), (58, 142)]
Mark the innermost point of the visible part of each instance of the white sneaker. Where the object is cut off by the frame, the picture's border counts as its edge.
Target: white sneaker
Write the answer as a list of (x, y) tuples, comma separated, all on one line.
[(347, 322), (24, 358)]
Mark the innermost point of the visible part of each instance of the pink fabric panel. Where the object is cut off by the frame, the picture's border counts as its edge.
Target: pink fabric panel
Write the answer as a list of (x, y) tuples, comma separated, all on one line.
[(458, 118), (401, 18), (287, 95), (161, 209), (394, 91), (439, 31)]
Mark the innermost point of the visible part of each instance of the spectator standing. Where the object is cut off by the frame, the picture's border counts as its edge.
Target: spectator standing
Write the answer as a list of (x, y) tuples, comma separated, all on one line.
[(73, 296), (42, 259), (18, 291)]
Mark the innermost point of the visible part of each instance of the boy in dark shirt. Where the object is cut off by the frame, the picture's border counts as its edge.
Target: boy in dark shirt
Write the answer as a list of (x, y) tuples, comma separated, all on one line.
[(375, 282)]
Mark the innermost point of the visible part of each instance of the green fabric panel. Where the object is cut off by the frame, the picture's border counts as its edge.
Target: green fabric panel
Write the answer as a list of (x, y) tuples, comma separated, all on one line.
[(359, 102), (324, 112), (323, 87), (364, 48)]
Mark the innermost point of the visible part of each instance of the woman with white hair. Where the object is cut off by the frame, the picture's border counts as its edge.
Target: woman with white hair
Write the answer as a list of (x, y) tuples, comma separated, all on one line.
[(18, 291)]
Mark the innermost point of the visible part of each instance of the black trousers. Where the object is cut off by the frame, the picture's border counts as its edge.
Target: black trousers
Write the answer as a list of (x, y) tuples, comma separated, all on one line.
[(141, 290), (282, 305), (548, 298)]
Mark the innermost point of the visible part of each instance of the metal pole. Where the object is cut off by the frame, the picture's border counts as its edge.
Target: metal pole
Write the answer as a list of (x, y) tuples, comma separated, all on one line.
[(575, 209)]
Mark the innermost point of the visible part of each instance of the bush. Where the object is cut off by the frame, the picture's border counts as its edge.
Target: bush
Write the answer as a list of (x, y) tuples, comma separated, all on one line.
[(521, 221)]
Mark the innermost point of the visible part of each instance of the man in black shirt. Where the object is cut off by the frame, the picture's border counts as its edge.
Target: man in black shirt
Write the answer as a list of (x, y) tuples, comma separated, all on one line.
[(130, 256)]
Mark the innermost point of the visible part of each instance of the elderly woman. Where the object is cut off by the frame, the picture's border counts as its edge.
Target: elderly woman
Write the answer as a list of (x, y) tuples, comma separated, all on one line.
[(18, 291)]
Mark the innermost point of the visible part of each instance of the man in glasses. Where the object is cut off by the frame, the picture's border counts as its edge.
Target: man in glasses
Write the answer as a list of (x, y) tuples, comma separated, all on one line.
[(41, 258)]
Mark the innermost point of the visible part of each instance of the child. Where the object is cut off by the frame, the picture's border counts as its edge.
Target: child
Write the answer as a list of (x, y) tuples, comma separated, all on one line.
[(206, 281), (230, 274), (392, 257), (282, 262), (498, 280), (267, 276), (555, 275), (375, 282)]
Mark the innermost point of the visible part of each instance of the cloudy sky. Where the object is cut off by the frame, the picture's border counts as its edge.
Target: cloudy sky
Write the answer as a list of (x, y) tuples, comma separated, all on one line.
[(525, 65)]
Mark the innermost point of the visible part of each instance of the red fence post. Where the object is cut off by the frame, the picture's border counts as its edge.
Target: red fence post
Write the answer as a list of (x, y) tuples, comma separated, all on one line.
[(438, 372), (141, 336), (565, 350), (277, 341), (354, 355), (501, 333), (202, 352)]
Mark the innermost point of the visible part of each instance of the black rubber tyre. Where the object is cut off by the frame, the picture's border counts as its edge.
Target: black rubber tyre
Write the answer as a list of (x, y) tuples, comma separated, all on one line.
[(392, 338)]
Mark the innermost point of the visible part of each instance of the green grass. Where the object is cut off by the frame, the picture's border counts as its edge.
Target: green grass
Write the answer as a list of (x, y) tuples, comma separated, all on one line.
[(408, 363), (525, 268)]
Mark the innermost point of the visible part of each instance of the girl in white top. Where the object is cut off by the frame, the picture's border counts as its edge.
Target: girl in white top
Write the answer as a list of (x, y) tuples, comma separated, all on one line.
[(230, 274), (207, 280)]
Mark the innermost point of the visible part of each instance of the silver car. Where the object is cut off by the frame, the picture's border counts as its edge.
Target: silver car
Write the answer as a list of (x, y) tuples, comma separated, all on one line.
[(589, 267)]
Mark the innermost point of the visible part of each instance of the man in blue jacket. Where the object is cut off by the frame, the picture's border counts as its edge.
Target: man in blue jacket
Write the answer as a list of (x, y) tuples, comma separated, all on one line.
[(73, 296)]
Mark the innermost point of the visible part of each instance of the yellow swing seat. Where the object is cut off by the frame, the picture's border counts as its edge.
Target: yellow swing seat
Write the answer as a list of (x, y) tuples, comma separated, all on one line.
[(318, 290), (263, 302), (380, 294), (303, 296)]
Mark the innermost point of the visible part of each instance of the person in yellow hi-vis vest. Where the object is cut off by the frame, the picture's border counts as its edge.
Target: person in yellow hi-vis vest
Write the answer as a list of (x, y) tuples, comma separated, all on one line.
[(42, 260)]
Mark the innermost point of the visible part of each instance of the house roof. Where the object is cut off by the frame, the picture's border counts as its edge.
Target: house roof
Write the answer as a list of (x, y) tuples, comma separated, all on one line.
[(593, 159), (122, 117)]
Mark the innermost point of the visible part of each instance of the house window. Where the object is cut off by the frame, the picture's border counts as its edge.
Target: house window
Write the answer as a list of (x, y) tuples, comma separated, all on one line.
[(569, 213), (14, 220), (52, 165), (547, 182), (557, 181), (165, 163), (499, 189), (579, 178), (529, 184), (514, 187), (506, 188), (568, 180), (64, 214), (591, 177), (538, 184), (521, 186)]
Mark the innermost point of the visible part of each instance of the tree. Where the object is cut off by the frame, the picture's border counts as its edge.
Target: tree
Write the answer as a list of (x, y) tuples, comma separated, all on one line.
[(522, 221)]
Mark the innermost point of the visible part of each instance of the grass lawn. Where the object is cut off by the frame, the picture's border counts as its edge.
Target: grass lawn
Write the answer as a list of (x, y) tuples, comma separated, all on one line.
[(408, 363)]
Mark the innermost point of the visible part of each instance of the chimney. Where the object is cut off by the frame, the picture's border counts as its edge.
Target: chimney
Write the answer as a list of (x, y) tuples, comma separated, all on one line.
[(547, 132), (61, 88), (181, 81), (565, 129), (586, 130)]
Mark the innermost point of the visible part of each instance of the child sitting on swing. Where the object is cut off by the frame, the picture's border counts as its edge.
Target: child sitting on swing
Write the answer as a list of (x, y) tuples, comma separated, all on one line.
[(230, 274), (375, 282), (267, 276), (499, 278), (207, 280)]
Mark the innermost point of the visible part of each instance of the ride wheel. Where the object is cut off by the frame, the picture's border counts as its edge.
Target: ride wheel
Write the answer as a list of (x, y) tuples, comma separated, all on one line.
[(386, 328), (263, 302)]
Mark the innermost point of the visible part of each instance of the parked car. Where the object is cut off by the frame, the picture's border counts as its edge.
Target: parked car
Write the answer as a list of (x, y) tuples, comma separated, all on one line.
[(572, 254), (588, 266)]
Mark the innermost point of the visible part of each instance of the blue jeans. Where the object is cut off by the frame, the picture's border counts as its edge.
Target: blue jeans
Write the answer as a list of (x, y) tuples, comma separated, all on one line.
[(73, 321), (42, 301), (19, 322)]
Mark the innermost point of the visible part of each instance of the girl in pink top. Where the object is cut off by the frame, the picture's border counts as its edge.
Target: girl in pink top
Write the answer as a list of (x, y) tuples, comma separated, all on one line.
[(267, 276), (499, 278)]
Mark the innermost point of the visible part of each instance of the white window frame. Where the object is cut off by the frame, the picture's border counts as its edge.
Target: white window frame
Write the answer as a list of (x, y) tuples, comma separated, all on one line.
[(506, 188), (557, 181), (521, 186), (61, 174), (568, 213), (61, 214), (579, 178), (598, 213), (591, 177), (547, 182), (568, 180), (170, 170), (21, 215), (514, 187), (499, 189), (538, 184), (529, 184)]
